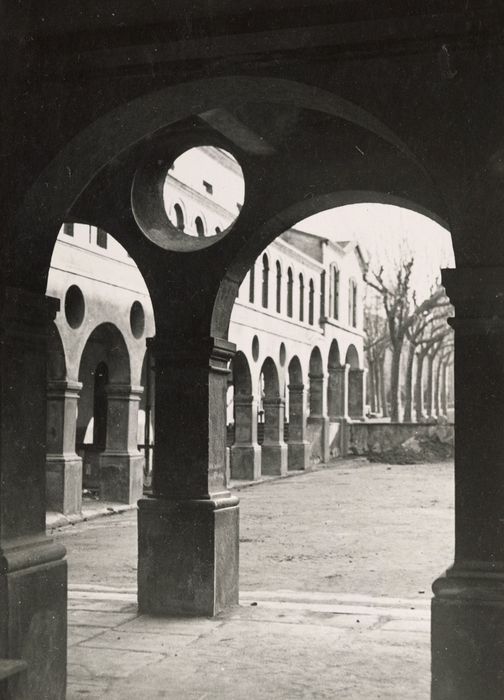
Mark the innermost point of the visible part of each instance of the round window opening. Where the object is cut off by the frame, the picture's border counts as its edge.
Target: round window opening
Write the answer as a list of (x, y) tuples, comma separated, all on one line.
[(255, 348), (190, 203), (74, 306), (137, 319)]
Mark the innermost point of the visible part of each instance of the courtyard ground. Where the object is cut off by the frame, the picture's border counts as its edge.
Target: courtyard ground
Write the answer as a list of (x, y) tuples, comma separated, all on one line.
[(335, 573)]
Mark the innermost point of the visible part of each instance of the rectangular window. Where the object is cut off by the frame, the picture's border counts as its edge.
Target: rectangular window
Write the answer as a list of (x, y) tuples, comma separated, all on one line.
[(68, 229), (101, 238)]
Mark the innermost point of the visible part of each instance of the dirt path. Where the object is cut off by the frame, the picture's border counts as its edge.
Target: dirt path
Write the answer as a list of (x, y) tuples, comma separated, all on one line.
[(357, 527)]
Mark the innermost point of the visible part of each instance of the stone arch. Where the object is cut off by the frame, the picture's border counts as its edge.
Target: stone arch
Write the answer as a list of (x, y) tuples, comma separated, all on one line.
[(115, 467), (356, 384), (245, 453), (316, 375), (242, 377), (291, 216), (295, 371), (273, 449), (337, 384), (298, 449), (270, 379), (352, 357)]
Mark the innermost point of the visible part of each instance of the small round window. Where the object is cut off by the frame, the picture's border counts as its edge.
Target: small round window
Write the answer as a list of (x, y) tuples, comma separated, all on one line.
[(203, 191), (137, 319), (74, 306)]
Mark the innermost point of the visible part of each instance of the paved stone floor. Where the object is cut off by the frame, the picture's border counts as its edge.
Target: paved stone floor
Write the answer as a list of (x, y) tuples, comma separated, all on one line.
[(336, 567)]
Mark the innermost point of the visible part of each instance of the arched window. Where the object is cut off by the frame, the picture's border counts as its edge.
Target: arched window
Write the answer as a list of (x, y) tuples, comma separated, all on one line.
[(335, 292), (100, 406), (265, 281), (301, 297), (352, 303), (179, 217), (200, 227), (311, 303), (218, 230), (322, 293), (278, 287), (290, 283), (252, 284)]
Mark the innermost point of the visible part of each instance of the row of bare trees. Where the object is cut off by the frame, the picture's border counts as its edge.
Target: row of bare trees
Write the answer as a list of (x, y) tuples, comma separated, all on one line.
[(394, 322)]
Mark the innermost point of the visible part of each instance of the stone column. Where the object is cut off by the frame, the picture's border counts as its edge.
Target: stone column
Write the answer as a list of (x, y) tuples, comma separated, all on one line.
[(318, 422), (298, 447), (121, 463), (274, 449), (63, 465), (468, 604), (357, 394), (245, 451), (33, 576), (188, 529)]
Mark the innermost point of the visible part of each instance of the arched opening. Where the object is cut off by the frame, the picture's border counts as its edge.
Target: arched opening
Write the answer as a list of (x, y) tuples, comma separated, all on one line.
[(311, 303), (265, 281), (301, 297), (290, 292), (273, 448), (107, 418), (245, 456), (179, 217), (252, 284), (278, 287), (76, 183), (199, 226), (335, 280)]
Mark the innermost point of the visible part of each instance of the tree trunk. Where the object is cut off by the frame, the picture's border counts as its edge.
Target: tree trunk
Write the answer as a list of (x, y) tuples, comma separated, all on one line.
[(371, 379), (437, 387), (419, 414), (383, 388), (395, 397), (444, 404), (430, 385), (379, 397), (408, 399)]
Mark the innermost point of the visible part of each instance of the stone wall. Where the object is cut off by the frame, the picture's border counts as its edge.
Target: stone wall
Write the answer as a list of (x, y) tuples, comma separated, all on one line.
[(401, 443)]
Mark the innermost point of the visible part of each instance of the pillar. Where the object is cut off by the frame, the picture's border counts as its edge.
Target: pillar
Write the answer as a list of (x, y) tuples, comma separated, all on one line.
[(468, 604), (245, 451), (357, 394), (274, 449), (33, 576), (63, 465), (318, 422), (188, 528), (121, 463), (298, 447)]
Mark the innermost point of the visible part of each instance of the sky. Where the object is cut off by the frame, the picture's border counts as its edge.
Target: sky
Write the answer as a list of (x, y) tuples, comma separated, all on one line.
[(387, 235)]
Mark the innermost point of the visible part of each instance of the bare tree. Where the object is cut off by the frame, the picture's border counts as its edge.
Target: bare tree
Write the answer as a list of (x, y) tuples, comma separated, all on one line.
[(375, 345), (401, 313)]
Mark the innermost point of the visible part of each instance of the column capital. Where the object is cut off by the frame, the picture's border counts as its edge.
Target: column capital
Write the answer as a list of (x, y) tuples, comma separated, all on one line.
[(476, 292), (25, 314), (124, 391), (211, 351), (63, 387), (296, 388)]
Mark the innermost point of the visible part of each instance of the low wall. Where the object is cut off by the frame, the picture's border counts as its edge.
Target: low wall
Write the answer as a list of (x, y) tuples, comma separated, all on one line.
[(401, 443)]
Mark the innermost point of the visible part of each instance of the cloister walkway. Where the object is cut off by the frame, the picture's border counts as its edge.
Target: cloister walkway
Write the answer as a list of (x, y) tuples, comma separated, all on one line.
[(336, 568)]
